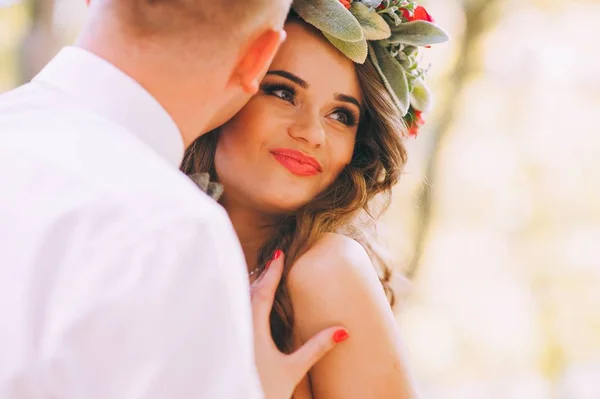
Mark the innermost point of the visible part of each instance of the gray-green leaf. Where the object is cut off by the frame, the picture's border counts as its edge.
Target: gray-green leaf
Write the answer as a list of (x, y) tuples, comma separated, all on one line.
[(373, 24), (356, 51), (372, 3), (393, 76), (418, 33), (331, 17), (212, 189), (420, 98)]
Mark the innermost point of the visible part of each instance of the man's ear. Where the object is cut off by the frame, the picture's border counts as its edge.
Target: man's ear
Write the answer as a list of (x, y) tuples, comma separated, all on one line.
[(255, 61)]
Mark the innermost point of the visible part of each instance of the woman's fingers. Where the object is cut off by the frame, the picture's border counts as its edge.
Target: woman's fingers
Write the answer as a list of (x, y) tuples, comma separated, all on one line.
[(263, 294), (312, 351), (280, 373)]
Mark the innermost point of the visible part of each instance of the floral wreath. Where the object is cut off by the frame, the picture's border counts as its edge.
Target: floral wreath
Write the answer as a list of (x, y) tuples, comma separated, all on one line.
[(390, 33)]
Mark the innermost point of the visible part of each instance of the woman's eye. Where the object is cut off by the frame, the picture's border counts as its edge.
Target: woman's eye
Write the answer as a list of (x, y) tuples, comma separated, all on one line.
[(284, 95), (340, 117), (345, 117), (282, 91)]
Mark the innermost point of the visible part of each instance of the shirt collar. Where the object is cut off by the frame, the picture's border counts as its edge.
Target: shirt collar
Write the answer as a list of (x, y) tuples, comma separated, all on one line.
[(110, 92)]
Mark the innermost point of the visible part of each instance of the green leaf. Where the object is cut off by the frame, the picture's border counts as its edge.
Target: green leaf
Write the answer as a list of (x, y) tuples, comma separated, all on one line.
[(404, 60), (420, 98), (393, 76), (418, 33), (331, 17), (356, 51), (373, 24), (411, 50), (372, 3)]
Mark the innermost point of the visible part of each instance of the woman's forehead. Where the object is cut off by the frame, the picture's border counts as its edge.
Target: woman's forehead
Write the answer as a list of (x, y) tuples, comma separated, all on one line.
[(308, 55)]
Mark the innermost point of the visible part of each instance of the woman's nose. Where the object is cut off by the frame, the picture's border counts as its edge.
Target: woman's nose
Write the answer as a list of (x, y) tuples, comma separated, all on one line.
[(310, 130)]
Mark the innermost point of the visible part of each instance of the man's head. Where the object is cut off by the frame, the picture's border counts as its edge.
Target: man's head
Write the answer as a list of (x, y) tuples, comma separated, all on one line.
[(201, 59)]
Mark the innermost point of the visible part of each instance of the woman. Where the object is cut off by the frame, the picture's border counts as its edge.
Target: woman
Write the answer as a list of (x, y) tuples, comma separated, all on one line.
[(310, 152)]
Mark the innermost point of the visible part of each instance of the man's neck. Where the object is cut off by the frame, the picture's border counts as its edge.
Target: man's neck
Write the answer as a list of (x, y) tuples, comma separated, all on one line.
[(153, 75)]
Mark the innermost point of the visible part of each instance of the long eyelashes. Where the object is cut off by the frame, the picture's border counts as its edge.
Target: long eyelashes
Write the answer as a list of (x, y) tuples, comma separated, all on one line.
[(281, 90), (351, 117), (287, 92)]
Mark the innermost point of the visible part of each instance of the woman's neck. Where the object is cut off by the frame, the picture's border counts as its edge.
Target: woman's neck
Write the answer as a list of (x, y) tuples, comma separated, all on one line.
[(253, 229)]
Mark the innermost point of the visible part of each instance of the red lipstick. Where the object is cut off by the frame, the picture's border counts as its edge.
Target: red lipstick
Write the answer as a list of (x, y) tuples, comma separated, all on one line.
[(297, 162)]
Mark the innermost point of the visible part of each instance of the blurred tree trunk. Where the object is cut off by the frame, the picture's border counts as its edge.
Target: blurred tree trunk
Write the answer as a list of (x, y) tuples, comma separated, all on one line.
[(41, 43), (553, 362), (477, 20)]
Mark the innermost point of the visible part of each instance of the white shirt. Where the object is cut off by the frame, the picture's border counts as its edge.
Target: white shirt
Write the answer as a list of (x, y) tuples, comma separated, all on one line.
[(119, 278)]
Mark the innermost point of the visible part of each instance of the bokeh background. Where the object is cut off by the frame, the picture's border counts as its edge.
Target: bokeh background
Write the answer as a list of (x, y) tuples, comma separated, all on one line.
[(497, 219)]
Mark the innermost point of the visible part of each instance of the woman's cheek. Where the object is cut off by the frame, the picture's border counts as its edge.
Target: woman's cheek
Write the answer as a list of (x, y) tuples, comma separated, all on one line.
[(343, 156)]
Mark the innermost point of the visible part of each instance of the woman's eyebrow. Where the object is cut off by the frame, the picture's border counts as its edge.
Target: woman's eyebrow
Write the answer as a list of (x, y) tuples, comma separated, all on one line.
[(290, 76), (348, 99), (302, 83)]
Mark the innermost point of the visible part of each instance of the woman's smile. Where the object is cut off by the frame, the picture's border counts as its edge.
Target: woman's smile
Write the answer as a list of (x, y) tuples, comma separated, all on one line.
[(297, 162)]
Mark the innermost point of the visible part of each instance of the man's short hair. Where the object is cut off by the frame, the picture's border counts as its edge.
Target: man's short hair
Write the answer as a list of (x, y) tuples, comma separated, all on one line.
[(232, 18)]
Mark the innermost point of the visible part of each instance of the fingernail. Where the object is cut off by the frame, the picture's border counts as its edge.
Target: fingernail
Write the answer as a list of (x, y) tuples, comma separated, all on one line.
[(340, 335), (277, 254)]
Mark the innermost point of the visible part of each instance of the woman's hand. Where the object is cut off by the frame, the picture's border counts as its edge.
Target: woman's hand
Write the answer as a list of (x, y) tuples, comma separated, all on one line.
[(279, 372)]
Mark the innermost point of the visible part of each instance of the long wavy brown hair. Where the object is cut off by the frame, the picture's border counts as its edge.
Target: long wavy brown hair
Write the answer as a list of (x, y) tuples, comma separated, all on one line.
[(377, 162)]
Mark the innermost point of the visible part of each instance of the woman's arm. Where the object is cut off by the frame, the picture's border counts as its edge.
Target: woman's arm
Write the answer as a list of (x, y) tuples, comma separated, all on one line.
[(335, 283)]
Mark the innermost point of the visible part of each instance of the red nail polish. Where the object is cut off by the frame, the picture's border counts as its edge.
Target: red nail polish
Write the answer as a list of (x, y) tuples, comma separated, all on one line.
[(277, 254), (340, 335)]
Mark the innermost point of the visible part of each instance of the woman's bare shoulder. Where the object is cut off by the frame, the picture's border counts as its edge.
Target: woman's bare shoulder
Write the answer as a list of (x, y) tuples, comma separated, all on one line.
[(335, 284), (335, 258), (335, 279)]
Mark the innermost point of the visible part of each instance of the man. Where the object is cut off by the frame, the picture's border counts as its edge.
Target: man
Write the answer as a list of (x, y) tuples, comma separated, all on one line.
[(118, 278)]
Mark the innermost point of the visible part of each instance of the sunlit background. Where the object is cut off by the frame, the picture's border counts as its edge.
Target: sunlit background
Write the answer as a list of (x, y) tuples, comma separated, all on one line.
[(497, 219)]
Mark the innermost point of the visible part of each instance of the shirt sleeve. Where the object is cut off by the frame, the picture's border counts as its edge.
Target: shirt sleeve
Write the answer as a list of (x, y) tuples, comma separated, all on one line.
[(159, 313)]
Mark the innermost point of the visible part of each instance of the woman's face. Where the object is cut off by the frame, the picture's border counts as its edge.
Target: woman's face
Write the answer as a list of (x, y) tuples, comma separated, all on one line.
[(295, 136)]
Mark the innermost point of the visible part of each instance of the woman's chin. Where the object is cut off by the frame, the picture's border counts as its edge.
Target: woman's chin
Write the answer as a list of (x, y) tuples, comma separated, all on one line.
[(279, 201), (280, 207)]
